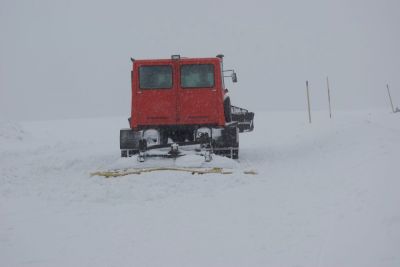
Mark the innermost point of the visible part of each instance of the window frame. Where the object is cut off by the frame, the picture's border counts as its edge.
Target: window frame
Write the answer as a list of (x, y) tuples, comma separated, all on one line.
[(197, 87), (157, 88)]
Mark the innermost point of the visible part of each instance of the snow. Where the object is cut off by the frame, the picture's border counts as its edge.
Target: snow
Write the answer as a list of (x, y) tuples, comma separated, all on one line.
[(325, 194), (11, 130)]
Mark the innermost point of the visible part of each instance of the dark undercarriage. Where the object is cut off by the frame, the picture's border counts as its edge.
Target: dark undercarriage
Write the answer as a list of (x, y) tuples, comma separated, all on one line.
[(222, 141)]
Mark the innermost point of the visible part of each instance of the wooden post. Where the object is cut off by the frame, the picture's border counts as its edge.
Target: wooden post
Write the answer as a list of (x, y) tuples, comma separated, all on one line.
[(329, 98), (390, 97), (308, 103)]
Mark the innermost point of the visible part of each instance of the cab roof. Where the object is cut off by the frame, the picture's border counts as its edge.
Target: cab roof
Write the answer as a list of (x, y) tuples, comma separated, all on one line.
[(179, 58)]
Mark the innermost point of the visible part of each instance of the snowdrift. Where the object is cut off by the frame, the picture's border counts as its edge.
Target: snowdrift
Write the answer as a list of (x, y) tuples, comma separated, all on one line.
[(325, 194)]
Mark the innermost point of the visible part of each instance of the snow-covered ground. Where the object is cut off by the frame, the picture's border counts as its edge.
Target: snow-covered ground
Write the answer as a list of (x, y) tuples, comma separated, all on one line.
[(326, 194)]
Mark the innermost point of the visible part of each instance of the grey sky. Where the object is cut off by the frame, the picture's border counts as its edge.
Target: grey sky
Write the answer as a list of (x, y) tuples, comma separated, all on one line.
[(62, 59)]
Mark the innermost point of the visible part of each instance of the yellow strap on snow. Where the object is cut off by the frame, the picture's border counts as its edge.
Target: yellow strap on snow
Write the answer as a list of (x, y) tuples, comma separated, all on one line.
[(118, 173)]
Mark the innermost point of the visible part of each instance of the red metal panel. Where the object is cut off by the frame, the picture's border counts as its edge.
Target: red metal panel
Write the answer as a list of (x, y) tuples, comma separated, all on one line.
[(152, 106), (198, 106), (177, 106)]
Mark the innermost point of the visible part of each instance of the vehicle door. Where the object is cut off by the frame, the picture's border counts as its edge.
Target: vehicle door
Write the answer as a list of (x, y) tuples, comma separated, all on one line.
[(156, 94), (198, 93)]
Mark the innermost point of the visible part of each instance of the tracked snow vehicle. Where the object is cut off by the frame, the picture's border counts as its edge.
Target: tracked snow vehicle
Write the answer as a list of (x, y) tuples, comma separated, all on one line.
[(183, 102)]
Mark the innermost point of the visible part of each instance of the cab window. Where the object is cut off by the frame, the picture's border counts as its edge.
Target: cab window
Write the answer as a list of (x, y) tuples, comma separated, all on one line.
[(197, 76), (155, 77)]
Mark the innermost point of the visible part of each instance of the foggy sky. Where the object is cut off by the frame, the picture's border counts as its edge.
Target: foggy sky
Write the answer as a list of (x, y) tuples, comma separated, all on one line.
[(67, 59)]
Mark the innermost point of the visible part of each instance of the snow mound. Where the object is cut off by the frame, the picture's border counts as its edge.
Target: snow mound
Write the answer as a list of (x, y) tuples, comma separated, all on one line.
[(188, 161), (11, 131)]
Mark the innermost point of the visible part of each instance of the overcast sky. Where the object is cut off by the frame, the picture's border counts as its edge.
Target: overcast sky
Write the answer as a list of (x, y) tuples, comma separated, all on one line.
[(67, 59)]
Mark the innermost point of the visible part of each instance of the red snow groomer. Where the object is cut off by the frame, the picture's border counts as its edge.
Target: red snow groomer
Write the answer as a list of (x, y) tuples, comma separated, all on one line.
[(183, 102)]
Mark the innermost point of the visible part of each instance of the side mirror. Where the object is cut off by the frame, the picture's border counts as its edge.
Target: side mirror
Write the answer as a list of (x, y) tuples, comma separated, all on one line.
[(234, 77)]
